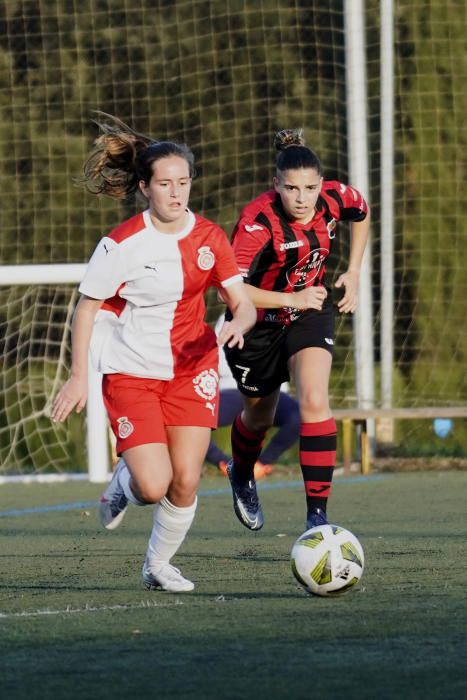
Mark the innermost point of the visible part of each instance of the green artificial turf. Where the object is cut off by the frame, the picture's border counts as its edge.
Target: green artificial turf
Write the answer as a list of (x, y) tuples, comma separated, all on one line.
[(76, 622)]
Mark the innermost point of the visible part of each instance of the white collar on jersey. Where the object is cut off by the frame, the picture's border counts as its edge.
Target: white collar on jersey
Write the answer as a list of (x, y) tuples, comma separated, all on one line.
[(176, 236)]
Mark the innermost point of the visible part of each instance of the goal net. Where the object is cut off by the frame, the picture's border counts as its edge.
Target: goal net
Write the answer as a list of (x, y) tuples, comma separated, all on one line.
[(222, 77)]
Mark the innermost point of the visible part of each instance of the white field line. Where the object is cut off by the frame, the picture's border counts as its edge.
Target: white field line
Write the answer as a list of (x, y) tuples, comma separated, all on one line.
[(90, 609)]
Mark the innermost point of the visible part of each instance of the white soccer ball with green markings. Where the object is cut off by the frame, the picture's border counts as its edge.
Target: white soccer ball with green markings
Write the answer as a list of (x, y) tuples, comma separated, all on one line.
[(327, 560)]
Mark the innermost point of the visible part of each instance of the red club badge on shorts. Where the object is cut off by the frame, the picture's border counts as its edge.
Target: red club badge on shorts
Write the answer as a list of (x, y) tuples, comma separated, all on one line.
[(205, 258), (125, 427)]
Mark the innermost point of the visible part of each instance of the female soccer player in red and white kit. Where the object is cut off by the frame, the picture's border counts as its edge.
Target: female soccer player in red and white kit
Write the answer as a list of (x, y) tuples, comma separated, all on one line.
[(142, 315), (282, 241)]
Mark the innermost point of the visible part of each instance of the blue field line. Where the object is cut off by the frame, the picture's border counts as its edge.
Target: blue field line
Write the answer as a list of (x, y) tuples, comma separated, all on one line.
[(47, 509), (203, 492), (292, 484)]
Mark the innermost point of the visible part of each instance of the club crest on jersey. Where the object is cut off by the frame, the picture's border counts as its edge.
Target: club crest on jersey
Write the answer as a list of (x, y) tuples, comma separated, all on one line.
[(307, 269), (125, 427), (205, 384), (205, 258), (330, 228)]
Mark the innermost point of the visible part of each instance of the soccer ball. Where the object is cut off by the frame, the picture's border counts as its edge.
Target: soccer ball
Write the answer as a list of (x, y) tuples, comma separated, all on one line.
[(327, 560)]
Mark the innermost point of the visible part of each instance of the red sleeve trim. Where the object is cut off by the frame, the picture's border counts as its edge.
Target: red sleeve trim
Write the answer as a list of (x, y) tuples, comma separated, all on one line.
[(128, 228)]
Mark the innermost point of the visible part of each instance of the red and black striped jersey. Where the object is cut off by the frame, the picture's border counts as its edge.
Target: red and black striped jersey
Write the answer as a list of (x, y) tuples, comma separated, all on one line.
[(277, 254)]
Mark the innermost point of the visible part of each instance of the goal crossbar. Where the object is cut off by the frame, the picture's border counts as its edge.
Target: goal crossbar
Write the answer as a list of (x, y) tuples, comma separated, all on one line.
[(67, 273), (96, 416)]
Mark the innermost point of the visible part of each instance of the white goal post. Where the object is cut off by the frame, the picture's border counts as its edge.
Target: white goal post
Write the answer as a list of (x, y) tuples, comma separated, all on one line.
[(97, 441)]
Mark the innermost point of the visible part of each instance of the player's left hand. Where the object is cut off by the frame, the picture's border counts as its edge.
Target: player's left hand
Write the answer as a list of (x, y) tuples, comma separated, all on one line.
[(348, 280), (231, 334)]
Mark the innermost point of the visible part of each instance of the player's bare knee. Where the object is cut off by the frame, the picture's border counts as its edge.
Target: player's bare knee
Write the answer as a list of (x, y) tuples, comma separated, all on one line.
[(148, 492), (315, 404), (182, 490)]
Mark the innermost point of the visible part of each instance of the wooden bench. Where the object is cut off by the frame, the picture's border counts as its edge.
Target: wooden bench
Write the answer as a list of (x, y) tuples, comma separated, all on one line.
[(353, 417)]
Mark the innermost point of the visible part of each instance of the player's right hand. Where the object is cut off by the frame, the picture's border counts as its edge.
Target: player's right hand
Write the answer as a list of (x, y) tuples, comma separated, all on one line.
[(309, 298), (71, 396)]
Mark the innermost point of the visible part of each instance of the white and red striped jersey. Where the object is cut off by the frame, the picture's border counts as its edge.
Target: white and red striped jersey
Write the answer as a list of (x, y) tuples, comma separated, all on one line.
[(151, 323)]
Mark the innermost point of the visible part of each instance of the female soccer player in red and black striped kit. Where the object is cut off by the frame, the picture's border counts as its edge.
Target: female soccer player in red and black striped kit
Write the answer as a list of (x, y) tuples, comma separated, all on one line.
[(282, 241)]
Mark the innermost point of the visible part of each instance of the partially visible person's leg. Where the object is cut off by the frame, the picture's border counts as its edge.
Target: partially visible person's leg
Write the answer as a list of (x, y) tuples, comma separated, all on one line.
[(230, 404), (215, 455), (287, 419)]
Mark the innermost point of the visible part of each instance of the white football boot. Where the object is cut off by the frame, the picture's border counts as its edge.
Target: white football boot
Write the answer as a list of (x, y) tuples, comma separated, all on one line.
[(166, 578)]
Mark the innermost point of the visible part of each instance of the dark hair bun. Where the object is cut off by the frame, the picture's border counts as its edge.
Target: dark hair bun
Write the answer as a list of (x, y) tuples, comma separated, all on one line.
[(288, 137)]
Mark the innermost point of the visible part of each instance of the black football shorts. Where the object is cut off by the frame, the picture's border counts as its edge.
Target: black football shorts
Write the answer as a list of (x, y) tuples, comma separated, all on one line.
[(260, 366)]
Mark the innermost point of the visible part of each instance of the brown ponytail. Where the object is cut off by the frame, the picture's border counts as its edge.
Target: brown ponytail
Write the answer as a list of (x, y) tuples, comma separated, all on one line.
[(122, 157)]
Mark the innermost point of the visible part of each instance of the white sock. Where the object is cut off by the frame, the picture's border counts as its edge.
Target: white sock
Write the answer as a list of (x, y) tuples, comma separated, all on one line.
[(171, 525), (124, 481)]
